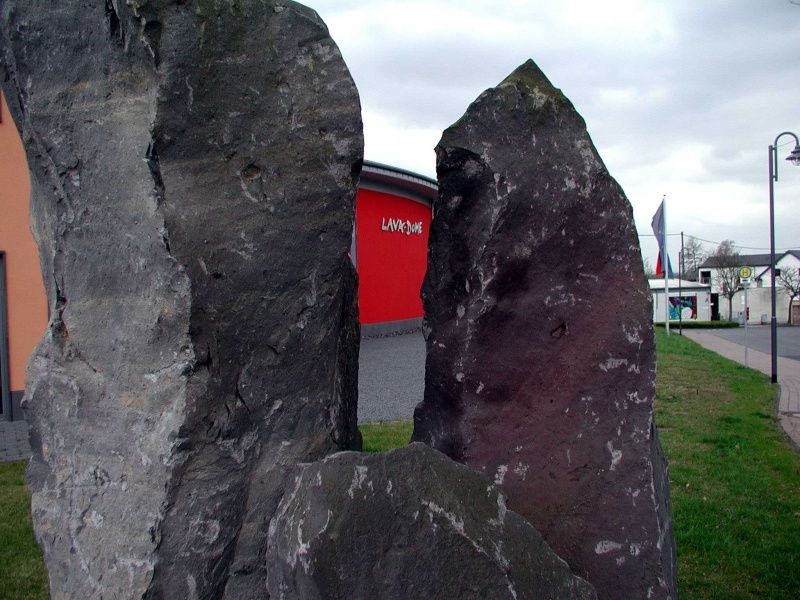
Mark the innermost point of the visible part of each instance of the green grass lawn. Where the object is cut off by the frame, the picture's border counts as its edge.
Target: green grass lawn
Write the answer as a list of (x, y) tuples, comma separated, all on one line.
[(735, 481), (22, 572), (735, 484), (380, 437)]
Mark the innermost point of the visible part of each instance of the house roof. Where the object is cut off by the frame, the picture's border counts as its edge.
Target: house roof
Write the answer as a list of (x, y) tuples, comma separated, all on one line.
[(751, 260), (795, 253), (658, 284), (383, 177)]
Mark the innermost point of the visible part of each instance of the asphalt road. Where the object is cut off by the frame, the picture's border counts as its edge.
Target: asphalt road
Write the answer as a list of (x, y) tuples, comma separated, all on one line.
[(758, 338), (391, 374)]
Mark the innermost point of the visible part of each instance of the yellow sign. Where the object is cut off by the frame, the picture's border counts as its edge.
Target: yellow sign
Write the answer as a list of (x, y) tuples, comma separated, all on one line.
[(745, 272)]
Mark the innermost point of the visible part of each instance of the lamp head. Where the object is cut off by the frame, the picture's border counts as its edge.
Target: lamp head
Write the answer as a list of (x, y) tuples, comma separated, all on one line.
[(794, 156)]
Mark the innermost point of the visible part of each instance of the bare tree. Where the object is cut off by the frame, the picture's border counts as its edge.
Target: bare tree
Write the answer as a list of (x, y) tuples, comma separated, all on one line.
[(694, 253), (649, 271), (789, 280), (726, 261)]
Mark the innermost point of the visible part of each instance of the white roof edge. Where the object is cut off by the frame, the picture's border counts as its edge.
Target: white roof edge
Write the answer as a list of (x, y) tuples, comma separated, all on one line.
[(658, 284)]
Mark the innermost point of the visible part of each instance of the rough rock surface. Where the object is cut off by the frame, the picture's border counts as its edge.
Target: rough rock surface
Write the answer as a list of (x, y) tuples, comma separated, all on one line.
[(193, 168), (404, 525), (540, 355)]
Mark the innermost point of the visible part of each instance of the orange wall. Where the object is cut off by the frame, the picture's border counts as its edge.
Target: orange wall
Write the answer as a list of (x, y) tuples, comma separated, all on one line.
[(27, 304)]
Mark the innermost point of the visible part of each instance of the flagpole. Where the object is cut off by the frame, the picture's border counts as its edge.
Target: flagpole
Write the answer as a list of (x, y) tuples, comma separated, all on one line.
[(665, 263), (680, 290)]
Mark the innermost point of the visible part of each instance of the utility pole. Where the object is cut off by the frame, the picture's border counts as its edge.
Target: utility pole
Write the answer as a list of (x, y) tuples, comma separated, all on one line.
[(680, 290)]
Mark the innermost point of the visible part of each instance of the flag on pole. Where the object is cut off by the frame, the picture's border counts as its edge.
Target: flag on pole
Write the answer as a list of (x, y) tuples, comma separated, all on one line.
[(660, 269), (659, 228), (659, 225)]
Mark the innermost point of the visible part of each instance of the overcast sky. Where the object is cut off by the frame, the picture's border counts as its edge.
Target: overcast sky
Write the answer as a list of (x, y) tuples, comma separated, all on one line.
[(681, 98)]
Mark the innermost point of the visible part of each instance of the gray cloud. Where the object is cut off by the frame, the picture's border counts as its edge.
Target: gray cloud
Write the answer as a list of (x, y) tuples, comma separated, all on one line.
[(681, 98)]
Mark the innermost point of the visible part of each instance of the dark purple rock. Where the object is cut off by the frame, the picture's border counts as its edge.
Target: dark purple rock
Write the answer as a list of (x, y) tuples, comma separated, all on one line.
[(193, 168), (541, 365), (406, 525)]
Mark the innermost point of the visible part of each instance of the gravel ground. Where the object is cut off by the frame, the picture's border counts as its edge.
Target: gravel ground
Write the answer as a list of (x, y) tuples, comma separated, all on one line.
[(391, 374)]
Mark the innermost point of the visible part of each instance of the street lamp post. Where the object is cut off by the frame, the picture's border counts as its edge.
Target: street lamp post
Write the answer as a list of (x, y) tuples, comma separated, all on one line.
[(794, 158)]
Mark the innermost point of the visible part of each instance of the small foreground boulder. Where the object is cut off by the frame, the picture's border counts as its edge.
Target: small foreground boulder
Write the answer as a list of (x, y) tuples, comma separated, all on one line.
[(407, 525)]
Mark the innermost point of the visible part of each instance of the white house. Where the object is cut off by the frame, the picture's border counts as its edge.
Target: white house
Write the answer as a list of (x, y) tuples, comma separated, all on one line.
[(708, 272), (689, 300), (787, 260), (759, 297)]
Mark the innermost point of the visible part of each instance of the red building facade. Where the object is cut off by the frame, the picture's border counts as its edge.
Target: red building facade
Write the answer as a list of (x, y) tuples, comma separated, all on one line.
[(393, 218)]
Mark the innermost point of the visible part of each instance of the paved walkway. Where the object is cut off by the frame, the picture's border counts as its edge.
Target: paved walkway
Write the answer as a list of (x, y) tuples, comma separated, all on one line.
[(391, 377), (788, 409), (14, 443)]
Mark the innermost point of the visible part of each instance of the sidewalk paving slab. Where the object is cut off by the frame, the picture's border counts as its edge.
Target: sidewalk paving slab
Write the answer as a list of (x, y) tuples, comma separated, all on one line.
[(14, 443)]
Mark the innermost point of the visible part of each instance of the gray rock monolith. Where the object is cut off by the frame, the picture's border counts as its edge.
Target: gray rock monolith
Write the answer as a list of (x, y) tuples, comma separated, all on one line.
[(540, 355), (193, 168), (407, 525)]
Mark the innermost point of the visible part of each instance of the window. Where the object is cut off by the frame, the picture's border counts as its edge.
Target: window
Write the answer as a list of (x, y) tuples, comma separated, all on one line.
[(705, 276)]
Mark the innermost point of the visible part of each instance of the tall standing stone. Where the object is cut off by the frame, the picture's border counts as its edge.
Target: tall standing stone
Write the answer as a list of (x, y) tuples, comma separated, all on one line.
[(193, 168), (541, 366)]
